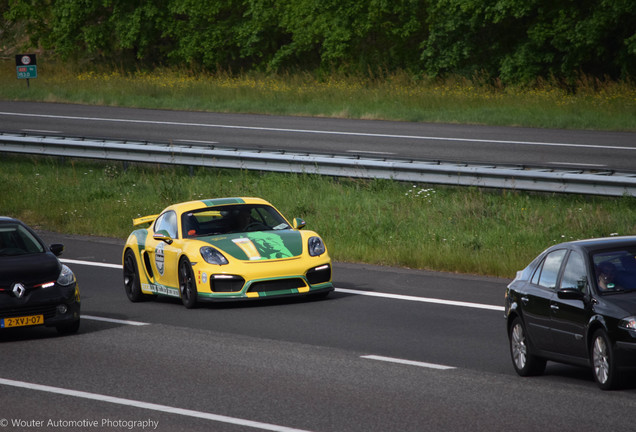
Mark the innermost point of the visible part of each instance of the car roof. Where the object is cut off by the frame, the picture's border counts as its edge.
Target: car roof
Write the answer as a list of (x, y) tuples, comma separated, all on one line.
[(212, 202), (9, 219), (603, 242)]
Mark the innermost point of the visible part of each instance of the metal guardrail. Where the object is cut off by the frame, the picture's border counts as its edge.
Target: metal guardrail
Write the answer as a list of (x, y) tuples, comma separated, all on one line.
[(606, 183)]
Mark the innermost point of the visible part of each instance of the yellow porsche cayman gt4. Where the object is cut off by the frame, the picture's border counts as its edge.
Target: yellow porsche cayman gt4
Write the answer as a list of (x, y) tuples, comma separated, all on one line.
[(224, 249)]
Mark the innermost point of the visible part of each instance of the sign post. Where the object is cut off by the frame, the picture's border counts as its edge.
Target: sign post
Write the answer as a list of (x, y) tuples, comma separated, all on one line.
[(26, 66)]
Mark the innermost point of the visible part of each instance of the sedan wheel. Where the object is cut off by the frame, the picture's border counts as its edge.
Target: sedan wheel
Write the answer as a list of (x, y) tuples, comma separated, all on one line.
[(132, 285), (605, 371), (523, 361), (187, 284)]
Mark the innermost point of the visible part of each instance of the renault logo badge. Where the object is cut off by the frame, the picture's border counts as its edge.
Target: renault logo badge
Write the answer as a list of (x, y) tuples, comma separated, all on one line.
[(19, 290)]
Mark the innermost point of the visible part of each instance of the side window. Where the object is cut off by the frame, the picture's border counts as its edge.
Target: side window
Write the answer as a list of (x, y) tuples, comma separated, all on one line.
[(547, 274), (575, 273), (167, 222)]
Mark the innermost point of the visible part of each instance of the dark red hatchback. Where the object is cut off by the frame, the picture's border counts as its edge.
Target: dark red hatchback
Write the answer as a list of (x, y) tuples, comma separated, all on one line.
[(576, 303)]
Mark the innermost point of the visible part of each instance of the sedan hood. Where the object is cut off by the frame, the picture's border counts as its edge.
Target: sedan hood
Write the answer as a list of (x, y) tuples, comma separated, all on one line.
[(625, 301), (31, 269), (259, 245)]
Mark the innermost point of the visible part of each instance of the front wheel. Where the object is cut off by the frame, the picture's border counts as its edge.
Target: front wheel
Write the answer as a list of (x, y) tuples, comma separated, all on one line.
[(132, 285), (524, 362), (603, 361), (187, 284)]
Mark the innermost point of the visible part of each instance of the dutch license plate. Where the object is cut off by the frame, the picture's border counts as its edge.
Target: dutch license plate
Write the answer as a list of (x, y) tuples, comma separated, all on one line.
[(22, 321)]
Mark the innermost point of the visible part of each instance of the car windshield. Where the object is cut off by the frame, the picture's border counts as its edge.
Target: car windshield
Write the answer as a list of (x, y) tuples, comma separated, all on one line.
[(17, 240), (615, 270), (231, 219)]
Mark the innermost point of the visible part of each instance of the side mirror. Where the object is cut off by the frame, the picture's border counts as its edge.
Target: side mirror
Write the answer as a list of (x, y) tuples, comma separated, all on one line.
[(57, 249), (162, 235), (569, 294), (299, 223)]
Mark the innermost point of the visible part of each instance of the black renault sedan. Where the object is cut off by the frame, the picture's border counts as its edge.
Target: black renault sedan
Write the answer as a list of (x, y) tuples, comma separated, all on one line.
[(35, 288), (576, 303)]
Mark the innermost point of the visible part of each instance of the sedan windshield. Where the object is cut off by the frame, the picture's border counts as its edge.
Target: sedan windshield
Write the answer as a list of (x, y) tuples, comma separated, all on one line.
[(615, 270), (231, 219), (17, 240)]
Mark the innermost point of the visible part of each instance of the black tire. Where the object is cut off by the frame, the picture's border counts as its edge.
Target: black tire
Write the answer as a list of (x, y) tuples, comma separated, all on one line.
[(132, 285), (524, 362), (604, 367), (67, 329), (187, 284)]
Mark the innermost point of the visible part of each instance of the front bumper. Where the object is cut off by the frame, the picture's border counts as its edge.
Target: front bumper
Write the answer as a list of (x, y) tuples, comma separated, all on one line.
[(324, 289), (58, 306), (259, 280)]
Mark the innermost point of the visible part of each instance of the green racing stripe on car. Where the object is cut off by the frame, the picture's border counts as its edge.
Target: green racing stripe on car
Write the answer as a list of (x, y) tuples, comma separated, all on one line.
[(222, 201), (141, 236), (259, 245)]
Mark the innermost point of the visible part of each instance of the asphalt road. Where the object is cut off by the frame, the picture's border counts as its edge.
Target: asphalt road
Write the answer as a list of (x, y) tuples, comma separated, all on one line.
[(593, 150), (391, 350)]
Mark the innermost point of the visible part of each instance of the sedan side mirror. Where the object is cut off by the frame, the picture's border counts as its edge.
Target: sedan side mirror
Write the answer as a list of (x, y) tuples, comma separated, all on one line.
[(569, 294), (57, 249)]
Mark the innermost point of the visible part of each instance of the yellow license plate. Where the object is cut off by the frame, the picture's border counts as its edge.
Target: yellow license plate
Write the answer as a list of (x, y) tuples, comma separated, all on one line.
[(22, 321)]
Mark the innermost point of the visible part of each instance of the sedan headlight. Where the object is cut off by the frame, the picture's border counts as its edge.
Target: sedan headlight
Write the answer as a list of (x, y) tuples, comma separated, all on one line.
[(628, 323), (316, 246), (66, 276), (213, 256)]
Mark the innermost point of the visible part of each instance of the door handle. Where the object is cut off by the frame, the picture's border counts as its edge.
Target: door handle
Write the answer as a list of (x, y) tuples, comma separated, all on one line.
[(554, 307), (525, 300)]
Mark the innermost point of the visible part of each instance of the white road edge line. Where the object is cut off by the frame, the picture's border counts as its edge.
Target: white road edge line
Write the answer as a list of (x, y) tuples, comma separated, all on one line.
[(324, 132), (407, 362), (576, 164), (370, 152), (422, 299), (41, 131), (113, 320), (149, 406), (196, 141), (91, 263), (348, 291)]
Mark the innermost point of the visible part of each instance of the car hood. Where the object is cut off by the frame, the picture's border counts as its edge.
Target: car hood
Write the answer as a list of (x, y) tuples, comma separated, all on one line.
[(623, 303), (259, 245), (31, 269)]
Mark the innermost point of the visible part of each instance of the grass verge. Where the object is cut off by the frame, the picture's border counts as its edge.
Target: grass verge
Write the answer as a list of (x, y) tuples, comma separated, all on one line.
[(592, 104), (466, 230)]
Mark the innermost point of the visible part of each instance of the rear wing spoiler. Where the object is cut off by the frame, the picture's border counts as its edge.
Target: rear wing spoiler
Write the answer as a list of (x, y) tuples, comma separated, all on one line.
[(144, 220)]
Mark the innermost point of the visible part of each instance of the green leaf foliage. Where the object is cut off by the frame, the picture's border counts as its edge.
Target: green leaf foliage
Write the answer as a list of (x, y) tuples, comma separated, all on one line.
[(520, 40), (516, 41)]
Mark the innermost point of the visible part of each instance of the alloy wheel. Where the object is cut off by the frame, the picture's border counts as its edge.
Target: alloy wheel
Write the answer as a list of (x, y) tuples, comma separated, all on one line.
[(600, 359), (518, 345)]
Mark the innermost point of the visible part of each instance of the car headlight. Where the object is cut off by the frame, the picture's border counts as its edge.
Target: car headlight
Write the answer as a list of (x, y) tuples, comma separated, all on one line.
[(316, 246), (628, 323), (66, 276), (213, 256)]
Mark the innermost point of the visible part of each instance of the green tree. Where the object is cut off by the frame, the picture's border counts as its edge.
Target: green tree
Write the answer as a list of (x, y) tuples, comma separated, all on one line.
[(205, 33), (519, 40), (515, 40)]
